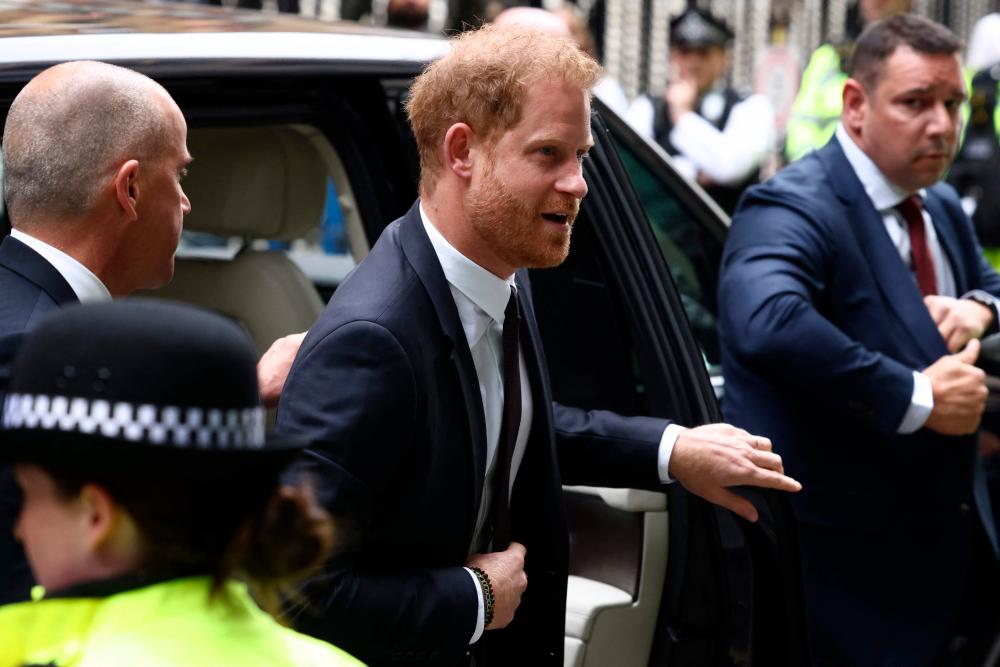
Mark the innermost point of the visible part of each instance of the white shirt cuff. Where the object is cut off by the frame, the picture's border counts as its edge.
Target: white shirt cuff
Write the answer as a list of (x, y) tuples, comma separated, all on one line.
[(481, 614), (921, 404), (667, 442)]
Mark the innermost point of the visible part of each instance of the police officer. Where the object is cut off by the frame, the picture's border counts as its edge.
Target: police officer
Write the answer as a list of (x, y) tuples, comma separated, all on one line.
[(718, 136), (149, 486), (818, 104)]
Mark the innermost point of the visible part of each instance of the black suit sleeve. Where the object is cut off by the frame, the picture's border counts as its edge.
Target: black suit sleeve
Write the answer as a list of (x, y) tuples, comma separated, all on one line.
[(352, 392), (601, 448)]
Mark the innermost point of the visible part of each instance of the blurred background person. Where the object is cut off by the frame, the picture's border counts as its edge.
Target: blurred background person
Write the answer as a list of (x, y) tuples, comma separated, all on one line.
[(408, 14), (569, 22), (975, 174), (717, 135), (141, 519), (819, 101)]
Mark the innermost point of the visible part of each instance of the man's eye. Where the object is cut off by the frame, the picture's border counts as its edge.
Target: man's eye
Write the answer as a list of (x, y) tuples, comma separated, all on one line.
[(582, 155), (547, 150)]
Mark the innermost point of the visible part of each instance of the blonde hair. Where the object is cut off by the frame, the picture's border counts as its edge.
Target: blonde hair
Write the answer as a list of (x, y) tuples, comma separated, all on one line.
[(483, 82)]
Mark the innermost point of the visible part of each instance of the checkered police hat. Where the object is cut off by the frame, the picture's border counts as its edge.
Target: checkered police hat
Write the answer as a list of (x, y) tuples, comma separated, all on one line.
[(696, 27), (133, 377)]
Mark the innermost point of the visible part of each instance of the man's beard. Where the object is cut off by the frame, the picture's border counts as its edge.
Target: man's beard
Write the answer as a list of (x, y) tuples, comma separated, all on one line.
[(515, 231)]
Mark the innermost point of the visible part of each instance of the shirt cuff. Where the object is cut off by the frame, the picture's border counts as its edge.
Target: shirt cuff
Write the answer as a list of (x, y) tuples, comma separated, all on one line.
[(481, 613), (921, 404), (991, 302), (667, 442)]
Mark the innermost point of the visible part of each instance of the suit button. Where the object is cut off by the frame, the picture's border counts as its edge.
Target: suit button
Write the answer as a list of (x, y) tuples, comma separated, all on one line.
[(964, 507)]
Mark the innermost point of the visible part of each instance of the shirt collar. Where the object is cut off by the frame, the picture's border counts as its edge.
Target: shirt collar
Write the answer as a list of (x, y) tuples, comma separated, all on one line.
[(488, 292), (85, 284), (884, 194)]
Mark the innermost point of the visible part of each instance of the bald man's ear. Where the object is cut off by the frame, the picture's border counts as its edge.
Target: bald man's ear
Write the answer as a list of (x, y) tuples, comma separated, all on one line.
[(458, 149), (127, 188)]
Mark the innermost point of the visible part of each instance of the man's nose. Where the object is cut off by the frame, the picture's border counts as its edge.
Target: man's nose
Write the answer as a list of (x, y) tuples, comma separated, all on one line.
[(185, 203), (573, 184), (943, 122)]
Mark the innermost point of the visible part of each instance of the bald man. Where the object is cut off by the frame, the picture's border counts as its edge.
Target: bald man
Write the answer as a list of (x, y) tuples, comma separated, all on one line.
[(93, 160)]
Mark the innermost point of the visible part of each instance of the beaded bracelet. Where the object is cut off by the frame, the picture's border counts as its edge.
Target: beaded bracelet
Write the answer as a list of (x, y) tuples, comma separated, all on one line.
[(488, 600)]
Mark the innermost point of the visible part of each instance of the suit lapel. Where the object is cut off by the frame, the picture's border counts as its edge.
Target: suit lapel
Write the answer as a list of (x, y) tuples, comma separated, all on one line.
[(949, 241), (420, 253), (24, 261), (893, 277), (531, 345)]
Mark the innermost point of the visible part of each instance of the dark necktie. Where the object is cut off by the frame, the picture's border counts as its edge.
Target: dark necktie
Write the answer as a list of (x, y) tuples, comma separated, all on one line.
[(923, 264), (510, 421)]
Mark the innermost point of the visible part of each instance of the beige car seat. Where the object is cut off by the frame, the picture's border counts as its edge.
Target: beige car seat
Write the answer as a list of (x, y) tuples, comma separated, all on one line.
[(253, 183)]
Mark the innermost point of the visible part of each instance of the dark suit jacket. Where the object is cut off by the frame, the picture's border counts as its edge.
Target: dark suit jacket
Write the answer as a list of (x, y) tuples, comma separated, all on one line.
[(30, 288), (822, 325), (386, 386)]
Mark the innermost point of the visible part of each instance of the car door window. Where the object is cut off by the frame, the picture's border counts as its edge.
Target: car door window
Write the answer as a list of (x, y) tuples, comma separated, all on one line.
[(691, 246)]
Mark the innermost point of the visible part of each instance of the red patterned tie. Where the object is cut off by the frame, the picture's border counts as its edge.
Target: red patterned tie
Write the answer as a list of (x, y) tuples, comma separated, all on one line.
[(923, 263)]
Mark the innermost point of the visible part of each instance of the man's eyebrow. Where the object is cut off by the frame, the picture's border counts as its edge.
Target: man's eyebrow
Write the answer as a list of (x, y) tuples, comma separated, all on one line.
[(928, 90)]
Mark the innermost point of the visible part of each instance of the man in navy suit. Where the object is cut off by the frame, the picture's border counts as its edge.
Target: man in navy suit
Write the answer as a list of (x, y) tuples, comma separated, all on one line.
[(852, 297), (96, 209), (431, 407)]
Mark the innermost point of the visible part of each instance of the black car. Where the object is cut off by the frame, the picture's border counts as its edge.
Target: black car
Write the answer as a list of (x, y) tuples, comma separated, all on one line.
[(303, 155)]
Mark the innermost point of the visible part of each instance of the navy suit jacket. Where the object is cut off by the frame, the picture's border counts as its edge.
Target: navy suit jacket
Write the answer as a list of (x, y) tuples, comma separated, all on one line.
[(385, 385), (822, 326), (30, 289)]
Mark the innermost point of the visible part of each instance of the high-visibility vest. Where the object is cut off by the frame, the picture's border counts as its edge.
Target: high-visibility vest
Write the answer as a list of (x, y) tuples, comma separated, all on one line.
[(818, 104), (173, 623)]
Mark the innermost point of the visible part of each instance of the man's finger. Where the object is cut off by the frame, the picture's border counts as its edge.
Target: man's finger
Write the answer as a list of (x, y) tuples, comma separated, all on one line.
[(518, 548), (769, 479), (956, 340), (971, 352), (761, 443), (768, 460)]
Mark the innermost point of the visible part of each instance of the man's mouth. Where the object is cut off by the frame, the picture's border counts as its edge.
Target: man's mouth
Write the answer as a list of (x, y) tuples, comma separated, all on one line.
[(558, 218)]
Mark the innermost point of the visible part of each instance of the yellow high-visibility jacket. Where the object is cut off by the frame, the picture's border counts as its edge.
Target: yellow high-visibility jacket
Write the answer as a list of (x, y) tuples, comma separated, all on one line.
[(172, 623)]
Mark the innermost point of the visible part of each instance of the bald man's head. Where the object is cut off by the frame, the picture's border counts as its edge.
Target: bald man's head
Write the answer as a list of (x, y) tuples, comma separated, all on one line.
[(533, 17), (68, 131)]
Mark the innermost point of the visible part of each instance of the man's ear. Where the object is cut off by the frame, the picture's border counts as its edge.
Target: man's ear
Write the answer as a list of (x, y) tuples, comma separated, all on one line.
[(127, 188), (458, 149), (855, 105)]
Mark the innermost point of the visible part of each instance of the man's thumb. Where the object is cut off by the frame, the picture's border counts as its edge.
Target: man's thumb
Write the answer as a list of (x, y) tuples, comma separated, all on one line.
[(970, 352)]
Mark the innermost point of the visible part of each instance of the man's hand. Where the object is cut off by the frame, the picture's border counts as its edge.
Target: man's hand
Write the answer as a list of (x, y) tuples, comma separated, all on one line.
[(959, 392), (506, 572), (959, 320), (273, 367), (710, 458), (680, 96)]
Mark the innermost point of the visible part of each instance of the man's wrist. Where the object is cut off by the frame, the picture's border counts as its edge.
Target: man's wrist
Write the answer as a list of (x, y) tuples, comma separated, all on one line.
[(486, 586), (991, 303)]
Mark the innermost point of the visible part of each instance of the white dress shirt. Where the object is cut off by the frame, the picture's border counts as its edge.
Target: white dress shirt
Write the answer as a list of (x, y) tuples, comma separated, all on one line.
[(727, 156), (85, 284), (481, 299), (885, 196)]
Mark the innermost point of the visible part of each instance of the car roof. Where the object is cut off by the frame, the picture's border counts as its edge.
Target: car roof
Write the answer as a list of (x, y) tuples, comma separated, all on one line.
[(49, 32)]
